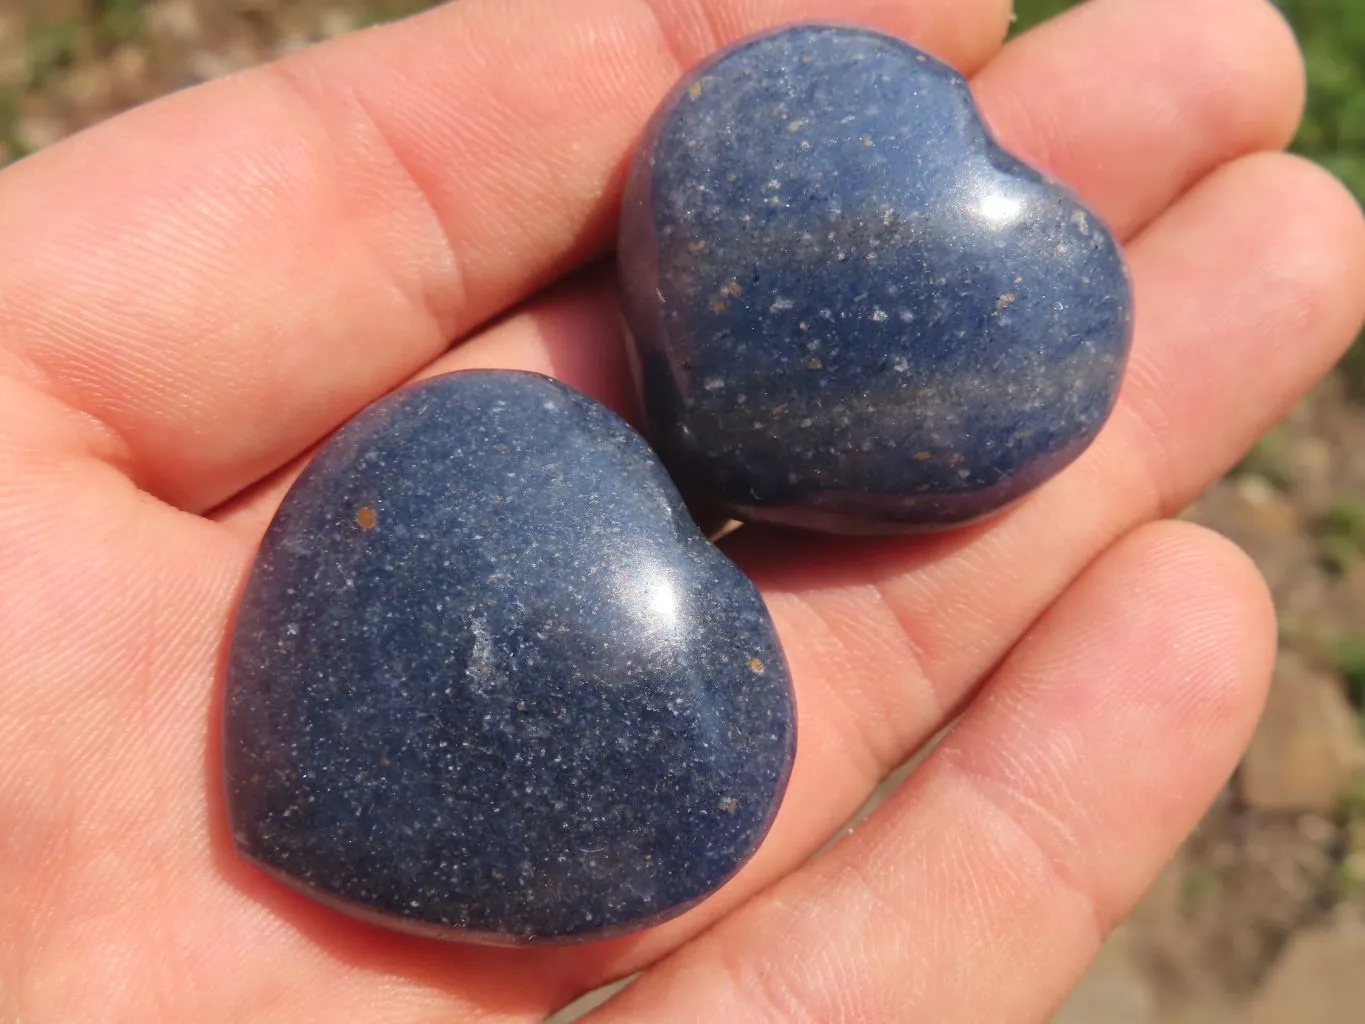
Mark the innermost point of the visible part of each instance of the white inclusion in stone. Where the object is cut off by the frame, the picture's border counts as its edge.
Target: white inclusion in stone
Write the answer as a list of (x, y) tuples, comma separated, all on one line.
[(781, 305), (878, 316), (482, 658)]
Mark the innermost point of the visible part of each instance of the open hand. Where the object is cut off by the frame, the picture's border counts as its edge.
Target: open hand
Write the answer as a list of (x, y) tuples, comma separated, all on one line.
[(193, 295)]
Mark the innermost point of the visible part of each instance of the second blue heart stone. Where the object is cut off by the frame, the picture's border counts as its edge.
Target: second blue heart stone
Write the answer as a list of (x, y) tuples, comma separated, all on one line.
[(851, 309), (488, 681)]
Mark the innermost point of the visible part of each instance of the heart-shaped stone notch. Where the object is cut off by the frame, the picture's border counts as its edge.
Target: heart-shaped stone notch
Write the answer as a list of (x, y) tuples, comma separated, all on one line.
[(851, 310)]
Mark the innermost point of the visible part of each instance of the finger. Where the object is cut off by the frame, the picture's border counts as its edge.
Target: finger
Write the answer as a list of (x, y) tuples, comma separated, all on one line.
[(1133, 101), (571, 332), (213, 282), (983, 886)]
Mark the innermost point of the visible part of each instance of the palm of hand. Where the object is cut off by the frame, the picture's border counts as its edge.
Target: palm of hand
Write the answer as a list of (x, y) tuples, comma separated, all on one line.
[(175, 335)]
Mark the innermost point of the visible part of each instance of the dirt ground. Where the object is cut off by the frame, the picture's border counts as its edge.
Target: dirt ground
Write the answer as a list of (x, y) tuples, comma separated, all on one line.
[(1261, 918)]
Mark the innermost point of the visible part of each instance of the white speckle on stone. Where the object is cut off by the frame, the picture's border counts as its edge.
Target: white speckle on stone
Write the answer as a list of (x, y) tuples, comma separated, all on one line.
[(879, 315), (714, 384), (480, 669), (780, 305)]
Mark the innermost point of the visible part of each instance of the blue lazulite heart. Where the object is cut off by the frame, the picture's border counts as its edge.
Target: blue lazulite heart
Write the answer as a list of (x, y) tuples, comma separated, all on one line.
[(489, 682), (851, 309)]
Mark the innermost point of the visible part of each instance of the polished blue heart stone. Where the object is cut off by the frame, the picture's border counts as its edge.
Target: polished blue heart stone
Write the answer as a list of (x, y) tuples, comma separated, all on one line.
[(851, 310), (488, 682)]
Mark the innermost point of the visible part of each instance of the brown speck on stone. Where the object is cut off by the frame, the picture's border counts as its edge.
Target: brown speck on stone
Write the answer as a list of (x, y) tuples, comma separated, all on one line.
[(366, 517), (696, 248), (1007, 299), (718, 306), (956, 459), (923, 456), (814, 363), (729, 804), (755, 666), (694, 90)]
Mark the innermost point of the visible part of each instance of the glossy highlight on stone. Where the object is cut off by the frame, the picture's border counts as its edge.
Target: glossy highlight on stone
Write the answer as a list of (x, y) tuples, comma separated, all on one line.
[(488, 681), (851, 310)]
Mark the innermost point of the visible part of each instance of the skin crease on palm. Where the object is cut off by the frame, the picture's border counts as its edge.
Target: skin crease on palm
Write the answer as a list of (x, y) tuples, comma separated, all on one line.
[(196, 293)]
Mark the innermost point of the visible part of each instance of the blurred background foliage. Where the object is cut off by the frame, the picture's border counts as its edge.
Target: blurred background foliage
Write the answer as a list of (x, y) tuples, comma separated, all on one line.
[(1332, 33)]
